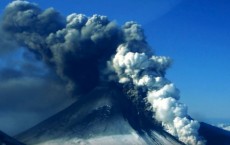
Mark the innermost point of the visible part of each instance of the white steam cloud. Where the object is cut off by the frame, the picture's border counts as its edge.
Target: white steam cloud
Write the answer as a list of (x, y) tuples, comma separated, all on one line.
[(146, 71)]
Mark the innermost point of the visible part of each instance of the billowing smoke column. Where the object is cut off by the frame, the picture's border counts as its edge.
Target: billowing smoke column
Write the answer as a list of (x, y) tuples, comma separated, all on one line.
[(85, 51), (146, 71)]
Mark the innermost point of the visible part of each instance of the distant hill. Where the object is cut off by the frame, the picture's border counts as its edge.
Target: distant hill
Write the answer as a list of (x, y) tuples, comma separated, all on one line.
[(7, 140)]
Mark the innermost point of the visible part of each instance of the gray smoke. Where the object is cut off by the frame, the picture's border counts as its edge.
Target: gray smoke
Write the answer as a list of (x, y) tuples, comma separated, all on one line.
[(85, 51)]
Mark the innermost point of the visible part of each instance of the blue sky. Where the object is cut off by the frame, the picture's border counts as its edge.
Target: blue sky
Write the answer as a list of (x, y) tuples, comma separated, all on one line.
[(194, 33)]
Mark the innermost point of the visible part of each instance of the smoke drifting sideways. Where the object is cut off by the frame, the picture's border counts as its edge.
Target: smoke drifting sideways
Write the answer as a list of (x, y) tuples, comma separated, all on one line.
[(85, 51)]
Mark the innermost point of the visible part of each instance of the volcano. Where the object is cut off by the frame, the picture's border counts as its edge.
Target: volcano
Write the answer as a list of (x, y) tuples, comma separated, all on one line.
[(105, 116), (102, 117)]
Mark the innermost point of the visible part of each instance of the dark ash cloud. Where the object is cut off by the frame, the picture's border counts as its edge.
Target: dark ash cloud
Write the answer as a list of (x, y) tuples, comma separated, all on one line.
[(76, 46)]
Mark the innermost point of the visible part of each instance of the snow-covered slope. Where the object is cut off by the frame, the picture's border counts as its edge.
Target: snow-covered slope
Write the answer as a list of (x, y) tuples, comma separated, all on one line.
[(7, 140), (102, 117), (105, 116)]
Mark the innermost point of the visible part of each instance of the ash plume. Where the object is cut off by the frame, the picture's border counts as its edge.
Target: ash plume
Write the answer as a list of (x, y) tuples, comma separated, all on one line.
[(85, 51), (74, 47)]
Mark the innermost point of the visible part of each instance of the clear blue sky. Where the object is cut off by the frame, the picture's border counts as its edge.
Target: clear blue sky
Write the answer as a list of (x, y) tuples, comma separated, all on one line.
[(194, 33)]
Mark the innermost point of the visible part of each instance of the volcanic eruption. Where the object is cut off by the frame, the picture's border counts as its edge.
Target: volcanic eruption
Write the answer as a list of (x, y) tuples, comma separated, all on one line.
[(89, 53)]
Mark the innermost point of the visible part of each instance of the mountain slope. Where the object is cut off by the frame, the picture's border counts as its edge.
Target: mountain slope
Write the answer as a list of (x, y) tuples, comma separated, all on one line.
[(103, 116), (7, 140), (214, 135)]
